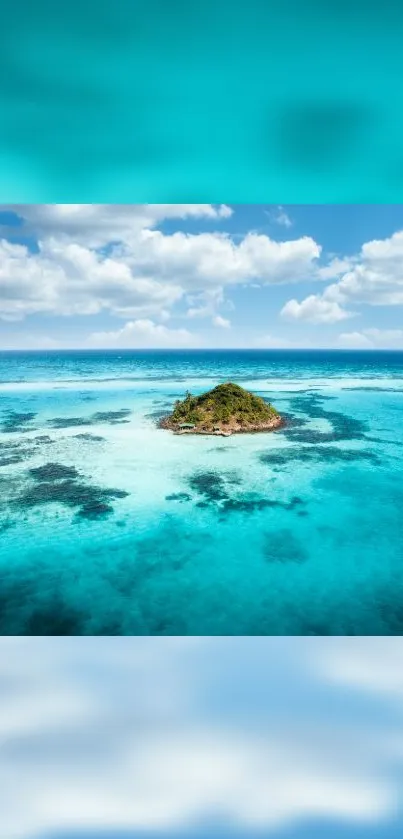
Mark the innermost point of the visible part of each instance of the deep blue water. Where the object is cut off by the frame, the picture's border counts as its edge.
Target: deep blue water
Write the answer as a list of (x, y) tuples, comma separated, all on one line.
[(110, 525)]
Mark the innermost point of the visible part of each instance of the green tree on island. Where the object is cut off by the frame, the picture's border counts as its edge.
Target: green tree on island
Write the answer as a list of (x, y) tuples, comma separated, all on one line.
[(227, 407)]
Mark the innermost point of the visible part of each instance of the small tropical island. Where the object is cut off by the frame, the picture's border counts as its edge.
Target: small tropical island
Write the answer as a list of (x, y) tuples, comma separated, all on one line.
[(226, 409)]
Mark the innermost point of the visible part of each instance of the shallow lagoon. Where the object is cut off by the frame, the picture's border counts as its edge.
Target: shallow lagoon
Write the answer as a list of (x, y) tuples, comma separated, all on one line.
[(110, 525)]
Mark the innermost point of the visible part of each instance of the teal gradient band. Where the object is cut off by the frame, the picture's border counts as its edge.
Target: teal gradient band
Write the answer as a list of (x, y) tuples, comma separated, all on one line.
[(163, 101)]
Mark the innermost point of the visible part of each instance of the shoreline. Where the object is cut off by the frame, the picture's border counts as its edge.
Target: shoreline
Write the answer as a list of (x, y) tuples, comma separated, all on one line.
[(275, 425)]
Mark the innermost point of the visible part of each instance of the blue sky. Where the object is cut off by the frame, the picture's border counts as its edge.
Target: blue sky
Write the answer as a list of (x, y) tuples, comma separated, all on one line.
[(290, 738), (200, 275)]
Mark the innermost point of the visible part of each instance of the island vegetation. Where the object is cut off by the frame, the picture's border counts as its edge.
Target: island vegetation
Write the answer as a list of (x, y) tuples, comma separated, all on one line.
[(226, 409)]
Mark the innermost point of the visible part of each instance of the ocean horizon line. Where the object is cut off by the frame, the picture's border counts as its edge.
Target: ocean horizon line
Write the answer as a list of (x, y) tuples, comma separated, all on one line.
[(198, 350)]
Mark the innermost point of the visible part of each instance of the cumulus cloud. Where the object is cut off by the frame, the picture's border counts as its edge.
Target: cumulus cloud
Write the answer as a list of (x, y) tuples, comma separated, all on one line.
[(69, 279), (113, 258), (374, 277), (137, 733), (119, 259), (315, 309), (377, 278), (206, 260), (95, 225), (142, 334), (335, 268)]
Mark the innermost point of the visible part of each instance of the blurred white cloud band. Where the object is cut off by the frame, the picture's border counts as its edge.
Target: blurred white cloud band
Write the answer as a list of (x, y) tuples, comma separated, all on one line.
[(148, 733)]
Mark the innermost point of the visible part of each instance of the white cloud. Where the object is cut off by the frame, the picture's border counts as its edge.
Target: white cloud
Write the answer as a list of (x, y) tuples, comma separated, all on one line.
[(94, 225), (283, 218), (137, 733), (279, 216), (221, 322), (335, 268), (372, 339), (315, 309), (115, 259), (69, 279), (95, 258), (373, 277), (144, 333), (366, 667), (208, 260), (205, 305), (354, 341)]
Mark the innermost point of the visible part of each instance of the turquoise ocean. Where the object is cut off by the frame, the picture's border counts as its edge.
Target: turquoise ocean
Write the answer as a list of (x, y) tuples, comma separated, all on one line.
[(111, 525)]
